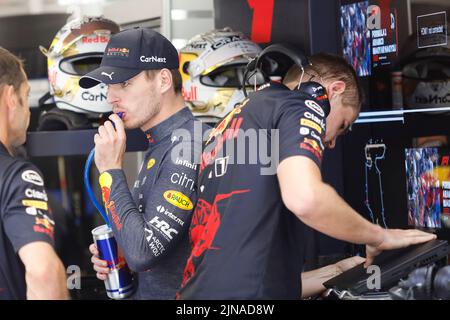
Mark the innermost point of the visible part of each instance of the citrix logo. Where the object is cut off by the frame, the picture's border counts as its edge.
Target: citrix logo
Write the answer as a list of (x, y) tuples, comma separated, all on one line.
[(152, 59)]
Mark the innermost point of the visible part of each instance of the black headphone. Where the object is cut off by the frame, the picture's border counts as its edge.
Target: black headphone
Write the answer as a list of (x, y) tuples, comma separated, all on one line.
[(441, 284), (424, 283), (276, 60)]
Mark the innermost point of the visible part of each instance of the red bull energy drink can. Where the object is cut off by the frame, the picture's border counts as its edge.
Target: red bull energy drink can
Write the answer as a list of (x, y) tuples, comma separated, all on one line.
[(119, 284)]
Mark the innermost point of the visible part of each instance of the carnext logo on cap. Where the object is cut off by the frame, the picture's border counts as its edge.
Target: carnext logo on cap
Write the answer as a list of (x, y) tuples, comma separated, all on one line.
[(153, 59)]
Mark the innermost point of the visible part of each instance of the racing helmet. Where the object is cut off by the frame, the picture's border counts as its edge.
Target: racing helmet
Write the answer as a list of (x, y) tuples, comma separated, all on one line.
[(77, 49), (426, 76), (212, 66)]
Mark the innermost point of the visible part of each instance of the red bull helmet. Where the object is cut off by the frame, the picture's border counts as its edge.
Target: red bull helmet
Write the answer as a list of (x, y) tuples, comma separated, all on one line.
[(426, 76), (212, 66), (77, 49)]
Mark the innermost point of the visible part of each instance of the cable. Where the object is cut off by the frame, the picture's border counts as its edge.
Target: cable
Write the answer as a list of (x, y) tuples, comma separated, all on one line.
[(87, 184), (383, 217), (368, 165), (366, 201), (89, 191)]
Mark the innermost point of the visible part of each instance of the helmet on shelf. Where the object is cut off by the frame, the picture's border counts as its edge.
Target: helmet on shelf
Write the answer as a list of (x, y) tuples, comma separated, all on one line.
[(212, 66), (426, 75), (77, 49)]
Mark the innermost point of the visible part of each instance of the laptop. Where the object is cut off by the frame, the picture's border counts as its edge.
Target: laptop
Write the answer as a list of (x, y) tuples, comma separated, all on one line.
[(394, 265)]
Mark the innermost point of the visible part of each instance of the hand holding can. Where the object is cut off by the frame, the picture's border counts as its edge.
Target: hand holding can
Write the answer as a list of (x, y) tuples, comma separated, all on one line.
[(119, 279)]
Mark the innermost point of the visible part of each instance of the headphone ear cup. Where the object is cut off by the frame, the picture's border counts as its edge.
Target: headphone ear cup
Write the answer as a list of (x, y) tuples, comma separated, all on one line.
[(419, 282), (441, 287)]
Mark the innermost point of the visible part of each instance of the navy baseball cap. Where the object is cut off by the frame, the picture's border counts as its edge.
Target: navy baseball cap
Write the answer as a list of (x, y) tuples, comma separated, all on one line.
[(128, 53)]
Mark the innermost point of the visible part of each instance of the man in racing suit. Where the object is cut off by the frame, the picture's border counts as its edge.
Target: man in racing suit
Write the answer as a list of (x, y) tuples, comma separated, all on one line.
[(29, 265), (150, 223)]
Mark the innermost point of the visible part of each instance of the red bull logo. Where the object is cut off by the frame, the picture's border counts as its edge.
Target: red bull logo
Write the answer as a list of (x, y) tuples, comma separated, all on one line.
[(111, 209), (190, 95), (95, 39), (105, 182)]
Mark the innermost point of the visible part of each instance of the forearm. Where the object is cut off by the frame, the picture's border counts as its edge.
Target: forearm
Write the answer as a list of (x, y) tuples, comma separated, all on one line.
[(331, 215), (312, 281), (47, 283), (128, 224)]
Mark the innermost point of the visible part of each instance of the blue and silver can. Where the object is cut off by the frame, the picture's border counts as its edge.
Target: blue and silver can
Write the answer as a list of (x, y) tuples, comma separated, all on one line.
[(119, 284)]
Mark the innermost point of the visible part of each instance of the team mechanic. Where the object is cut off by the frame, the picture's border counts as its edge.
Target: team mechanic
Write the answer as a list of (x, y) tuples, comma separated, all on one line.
[(248, 227), (29, 265), (151, 225)]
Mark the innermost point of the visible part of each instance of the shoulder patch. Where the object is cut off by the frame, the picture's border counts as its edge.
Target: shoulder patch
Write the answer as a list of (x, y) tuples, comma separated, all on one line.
[(33, 177)]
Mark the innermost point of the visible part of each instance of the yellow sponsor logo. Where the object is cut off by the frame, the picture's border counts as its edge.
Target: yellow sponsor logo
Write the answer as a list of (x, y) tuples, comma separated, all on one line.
[(35, 204), (178, 199), (150, 163), (105, 180), (311, 124)]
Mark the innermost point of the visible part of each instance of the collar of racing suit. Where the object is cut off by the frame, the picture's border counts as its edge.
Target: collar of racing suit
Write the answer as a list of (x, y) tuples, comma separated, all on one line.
[(271, 85), (3, 149), (168, 126)]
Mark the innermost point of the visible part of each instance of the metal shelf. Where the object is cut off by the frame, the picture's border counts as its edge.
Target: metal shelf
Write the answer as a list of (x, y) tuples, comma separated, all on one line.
[(75, 142), (397, 115)]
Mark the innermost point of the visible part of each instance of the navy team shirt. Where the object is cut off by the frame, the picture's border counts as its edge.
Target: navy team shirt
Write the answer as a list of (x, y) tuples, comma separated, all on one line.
[(24, 218), (245, 243)]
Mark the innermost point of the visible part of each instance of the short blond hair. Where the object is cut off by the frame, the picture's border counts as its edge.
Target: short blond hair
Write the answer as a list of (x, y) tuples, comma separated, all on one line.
[(328, 67)]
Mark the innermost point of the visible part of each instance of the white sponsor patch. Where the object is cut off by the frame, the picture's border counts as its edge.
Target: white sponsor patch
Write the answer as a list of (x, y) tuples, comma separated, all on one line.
[(319, 121), (221, 166), (33, 177), (315, 107), (34, 194), (304, 131), (32, 211), (319, 139), (153, 59), (163, 227)]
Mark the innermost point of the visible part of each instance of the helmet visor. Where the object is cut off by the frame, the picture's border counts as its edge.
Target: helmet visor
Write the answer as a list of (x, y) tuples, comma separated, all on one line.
[(81, 64)]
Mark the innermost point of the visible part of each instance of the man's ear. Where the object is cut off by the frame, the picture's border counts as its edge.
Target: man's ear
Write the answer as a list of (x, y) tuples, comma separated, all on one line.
[(8, 97), (8, 102), (166, 80), (335, 88)]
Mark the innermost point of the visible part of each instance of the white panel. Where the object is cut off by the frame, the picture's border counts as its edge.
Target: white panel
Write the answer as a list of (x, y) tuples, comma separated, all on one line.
[(186, 29), (133, 10), (193, 4)]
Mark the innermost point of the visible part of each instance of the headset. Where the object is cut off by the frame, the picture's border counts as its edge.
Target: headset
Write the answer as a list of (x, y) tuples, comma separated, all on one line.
[(424, 283), (276, 60)]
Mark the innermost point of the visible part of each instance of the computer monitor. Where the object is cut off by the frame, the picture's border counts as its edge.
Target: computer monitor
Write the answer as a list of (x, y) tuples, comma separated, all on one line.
[(428, 187), (372, 35), (355, 36)]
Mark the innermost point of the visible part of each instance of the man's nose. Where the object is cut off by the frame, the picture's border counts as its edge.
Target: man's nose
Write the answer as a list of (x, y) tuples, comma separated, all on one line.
[(111, 96)]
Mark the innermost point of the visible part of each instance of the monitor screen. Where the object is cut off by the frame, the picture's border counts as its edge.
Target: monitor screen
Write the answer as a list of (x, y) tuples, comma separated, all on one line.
[(385, 39), (428, 187), (355, 36)]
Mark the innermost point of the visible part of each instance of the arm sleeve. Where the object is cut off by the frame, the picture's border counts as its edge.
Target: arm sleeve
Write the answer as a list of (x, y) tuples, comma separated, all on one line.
[(146, 237), (27, 216), (301, 130)]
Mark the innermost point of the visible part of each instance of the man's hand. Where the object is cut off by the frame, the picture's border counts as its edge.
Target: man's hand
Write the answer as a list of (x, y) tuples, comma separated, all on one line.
[(348, 263), (110, 145), (395, 239), (100, 266)]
